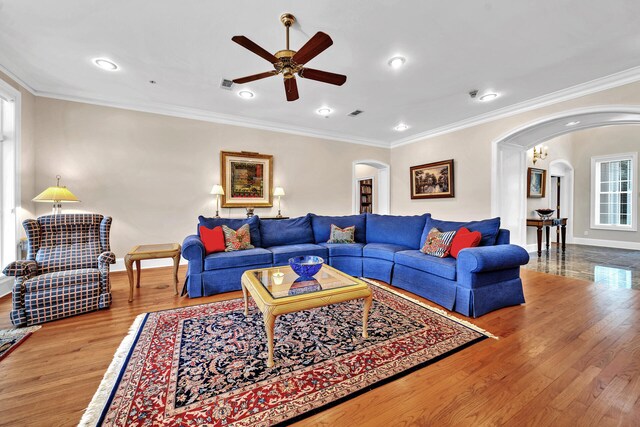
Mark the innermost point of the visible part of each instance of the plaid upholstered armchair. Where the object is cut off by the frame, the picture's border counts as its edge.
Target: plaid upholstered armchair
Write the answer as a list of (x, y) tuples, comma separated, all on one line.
[(66, 271)]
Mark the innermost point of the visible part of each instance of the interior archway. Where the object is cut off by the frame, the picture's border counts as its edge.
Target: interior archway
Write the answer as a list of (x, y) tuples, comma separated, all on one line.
[(382, 182), (508, 181)]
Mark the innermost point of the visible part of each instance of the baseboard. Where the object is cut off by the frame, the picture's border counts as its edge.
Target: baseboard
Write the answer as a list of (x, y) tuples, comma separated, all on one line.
[(6, 283), (607, 243), (146, 263)]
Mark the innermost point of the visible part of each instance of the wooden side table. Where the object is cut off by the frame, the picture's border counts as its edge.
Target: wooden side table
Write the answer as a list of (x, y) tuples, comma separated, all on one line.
[(140, 252), (546, 223)]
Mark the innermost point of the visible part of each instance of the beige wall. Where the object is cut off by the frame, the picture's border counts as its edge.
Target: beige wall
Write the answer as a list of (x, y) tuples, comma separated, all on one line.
[(153, 173), (597, 142), (471, 150)]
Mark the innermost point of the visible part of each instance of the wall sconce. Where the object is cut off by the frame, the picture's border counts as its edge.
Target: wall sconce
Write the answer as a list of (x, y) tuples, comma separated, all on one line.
[(540, 153), (56, 194), (278, 191), (218, 191)]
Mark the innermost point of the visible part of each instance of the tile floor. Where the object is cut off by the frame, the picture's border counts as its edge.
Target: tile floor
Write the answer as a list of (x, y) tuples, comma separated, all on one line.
[(617, 268)]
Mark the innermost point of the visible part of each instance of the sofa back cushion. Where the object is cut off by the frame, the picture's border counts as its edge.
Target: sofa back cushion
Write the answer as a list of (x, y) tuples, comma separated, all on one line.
[(322, 226), (234, 223), (65, 241), (282, 232), (488, 227), (399, 230)]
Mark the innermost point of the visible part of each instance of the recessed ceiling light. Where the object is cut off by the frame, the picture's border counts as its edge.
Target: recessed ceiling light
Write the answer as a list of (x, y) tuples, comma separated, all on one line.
[(246, 94), (401, 127), (573, 123), (105, 64), (397, 62), (324, 111), (488, 97)]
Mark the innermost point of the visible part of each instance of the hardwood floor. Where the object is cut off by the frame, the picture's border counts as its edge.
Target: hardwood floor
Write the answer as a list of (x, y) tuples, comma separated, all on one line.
[(569, 356)]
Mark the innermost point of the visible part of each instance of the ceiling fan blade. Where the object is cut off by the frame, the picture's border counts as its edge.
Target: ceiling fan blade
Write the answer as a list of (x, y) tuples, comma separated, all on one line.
[(312, 48), (323, 76), (291, 89), (253, 77), (248, 44)]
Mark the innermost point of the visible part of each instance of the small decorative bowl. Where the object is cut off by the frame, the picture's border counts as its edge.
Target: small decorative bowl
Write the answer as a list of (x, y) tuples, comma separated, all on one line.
[(306, 266), (545, 213)]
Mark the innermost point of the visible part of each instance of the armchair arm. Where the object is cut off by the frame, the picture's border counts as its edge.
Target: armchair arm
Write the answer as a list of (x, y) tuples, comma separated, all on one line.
[(106, 258), (21, 268), (193, 251), (491, 258)]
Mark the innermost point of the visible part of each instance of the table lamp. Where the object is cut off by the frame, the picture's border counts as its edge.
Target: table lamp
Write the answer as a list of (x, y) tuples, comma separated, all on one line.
[(218, 191), (58, 195), (278, 191)]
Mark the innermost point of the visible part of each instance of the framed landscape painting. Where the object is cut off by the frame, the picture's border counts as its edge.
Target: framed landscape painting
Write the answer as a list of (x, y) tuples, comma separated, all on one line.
[(247, 179), (536, 182), (432, 180)]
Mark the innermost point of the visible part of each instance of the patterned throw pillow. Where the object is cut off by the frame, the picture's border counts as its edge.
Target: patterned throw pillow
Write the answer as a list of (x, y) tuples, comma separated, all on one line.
[(438, 243), (237, 240), (342, 235)]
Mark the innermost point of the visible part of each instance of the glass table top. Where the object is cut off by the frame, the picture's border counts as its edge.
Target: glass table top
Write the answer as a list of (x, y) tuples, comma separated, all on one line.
[(282, 282)]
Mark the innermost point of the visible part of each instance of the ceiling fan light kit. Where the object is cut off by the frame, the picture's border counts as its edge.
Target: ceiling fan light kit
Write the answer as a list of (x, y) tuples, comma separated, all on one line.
[(290, 62)]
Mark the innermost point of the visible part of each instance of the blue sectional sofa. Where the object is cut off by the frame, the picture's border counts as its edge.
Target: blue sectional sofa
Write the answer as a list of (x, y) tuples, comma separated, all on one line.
[(482, 279)]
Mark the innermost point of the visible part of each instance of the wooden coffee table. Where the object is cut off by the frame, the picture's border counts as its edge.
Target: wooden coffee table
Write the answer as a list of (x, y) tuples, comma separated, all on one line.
[(140, 252), (284, 295)]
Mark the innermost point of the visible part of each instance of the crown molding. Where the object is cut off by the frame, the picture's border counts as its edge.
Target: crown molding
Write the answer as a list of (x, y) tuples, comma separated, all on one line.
[(18, 80), (608, 82), (208, 116), (611, 81)]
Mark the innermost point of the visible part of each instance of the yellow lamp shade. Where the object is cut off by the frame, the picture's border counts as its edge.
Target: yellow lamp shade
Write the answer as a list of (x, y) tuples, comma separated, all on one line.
[(56, 194)]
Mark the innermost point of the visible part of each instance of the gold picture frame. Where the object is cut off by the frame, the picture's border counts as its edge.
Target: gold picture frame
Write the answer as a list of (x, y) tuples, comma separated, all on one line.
[(247, 179), (432, 180), (536, 183)]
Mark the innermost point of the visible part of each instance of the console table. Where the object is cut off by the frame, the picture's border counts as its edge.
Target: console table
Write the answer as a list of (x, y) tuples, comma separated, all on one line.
[(547, 223)]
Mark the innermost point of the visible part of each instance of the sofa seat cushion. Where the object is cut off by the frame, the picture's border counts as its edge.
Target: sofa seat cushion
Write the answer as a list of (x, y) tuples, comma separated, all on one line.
[(58, 279), (281, 254), (384, 251), (247, 257), (442, 267), (344, 249)]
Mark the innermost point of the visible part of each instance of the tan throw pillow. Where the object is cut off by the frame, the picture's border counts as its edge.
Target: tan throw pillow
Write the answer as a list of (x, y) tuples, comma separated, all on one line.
[(438, 243), (237, 240), (342, 235)]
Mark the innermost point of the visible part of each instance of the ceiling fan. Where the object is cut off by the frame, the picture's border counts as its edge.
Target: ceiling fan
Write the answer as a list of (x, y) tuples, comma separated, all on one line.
[(290, 62)]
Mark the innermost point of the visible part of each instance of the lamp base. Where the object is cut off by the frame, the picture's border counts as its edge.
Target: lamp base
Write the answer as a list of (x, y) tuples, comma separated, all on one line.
[(217, 214), (279, 214)]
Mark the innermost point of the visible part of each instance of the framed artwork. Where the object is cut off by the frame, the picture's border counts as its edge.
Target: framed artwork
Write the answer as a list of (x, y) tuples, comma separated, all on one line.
[(536, 182), (247, 179), (433, 180)]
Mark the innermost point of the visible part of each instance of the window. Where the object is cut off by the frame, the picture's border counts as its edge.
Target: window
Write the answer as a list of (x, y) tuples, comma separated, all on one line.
[(614, 192)]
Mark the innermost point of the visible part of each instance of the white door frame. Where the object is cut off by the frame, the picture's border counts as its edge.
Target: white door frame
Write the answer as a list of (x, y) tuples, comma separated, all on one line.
[(384, 185), (508, 172)]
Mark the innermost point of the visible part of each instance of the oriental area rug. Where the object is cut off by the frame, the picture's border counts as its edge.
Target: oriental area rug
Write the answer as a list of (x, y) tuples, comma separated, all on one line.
[(206, 364), (12, 338)]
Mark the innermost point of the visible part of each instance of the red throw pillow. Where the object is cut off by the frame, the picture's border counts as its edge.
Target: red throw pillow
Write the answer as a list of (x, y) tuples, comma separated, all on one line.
[(464, 239), (213, 240)]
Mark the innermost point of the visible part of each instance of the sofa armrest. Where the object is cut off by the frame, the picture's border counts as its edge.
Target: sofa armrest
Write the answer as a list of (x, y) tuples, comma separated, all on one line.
[(491, 258), (21, 268), (106, 258), (193, 251)]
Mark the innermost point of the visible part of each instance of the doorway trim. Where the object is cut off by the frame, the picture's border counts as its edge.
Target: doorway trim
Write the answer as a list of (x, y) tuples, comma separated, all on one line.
[(508, 172), (384, 186)]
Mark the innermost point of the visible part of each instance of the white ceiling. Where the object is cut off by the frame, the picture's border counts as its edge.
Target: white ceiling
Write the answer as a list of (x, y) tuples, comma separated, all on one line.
[(522, 49)]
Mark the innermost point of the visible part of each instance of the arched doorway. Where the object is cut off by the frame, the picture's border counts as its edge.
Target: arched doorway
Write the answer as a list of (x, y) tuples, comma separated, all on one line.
[(508, 181), (382, 185)]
